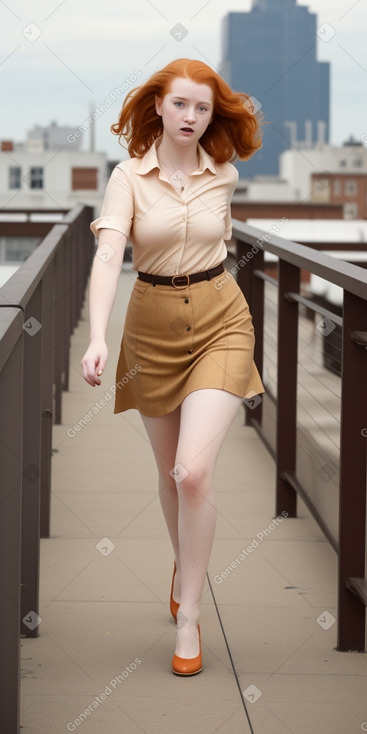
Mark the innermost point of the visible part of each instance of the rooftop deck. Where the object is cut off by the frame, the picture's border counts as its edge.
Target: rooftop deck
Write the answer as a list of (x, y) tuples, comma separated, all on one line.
[(268, 622)]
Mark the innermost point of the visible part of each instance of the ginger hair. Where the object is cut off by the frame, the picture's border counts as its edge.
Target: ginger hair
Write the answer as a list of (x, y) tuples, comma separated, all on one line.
[(234, 131)]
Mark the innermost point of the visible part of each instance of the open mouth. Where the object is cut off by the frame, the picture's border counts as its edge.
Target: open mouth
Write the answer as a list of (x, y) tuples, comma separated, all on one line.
[(187, 129)]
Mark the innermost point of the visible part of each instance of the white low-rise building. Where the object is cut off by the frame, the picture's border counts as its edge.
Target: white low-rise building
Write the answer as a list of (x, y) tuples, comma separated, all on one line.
[(51, 179), (298, 165), (49, 171), (263, 188), (46, 173), (52, 137)]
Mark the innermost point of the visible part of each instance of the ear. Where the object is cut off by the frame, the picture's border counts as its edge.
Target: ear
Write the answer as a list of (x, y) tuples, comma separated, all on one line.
[(158, 104)]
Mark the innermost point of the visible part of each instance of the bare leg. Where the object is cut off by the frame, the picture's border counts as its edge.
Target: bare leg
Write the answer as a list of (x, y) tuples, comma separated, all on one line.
[(163, 435), (206, 416), (190, 439)]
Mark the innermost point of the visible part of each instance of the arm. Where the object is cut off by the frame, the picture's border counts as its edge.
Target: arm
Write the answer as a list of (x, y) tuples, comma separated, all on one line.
[(103, 286)]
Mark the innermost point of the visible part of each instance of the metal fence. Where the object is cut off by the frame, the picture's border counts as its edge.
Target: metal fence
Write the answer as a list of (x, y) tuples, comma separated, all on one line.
[(39, 308), (251, 277)]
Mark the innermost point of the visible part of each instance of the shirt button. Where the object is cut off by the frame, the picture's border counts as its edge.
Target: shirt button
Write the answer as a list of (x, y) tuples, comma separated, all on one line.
[(188, 328), (189, 351), (186, 300)]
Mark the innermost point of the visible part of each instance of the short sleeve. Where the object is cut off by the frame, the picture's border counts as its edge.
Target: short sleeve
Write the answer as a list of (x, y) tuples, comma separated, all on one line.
[(118, 205)]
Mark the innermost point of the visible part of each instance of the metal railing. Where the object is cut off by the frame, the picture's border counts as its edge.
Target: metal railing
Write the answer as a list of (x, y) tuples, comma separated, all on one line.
[(39, 308), (251, 277)]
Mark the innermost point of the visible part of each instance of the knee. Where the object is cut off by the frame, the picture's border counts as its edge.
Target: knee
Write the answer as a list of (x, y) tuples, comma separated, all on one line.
[(192, 480)]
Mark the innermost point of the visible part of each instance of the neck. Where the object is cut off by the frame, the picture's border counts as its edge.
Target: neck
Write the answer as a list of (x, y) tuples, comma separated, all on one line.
[(174, 156)]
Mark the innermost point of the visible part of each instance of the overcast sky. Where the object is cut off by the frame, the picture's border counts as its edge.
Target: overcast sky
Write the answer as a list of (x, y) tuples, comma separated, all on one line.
[(59, 60)]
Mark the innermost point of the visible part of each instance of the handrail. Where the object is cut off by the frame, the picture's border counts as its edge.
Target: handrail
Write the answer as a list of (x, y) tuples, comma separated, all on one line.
[(315, 307), (251, 243), (39, 308), (346, 275), (20, 287)]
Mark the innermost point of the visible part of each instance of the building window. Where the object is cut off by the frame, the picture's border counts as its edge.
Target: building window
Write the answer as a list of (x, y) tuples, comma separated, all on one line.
[(17, 249), (350, 210), (15, 173), (350, 187), (322, 183), (36, 178), (357, 162), (84, 178), (337, 187), (321, 188)]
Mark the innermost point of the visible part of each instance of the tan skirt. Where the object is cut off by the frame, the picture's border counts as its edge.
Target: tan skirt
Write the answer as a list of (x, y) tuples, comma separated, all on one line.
[(177, 341)]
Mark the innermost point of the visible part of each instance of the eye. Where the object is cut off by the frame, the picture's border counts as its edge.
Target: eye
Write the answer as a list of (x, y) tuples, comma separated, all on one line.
[(203, 109), (178, 103)]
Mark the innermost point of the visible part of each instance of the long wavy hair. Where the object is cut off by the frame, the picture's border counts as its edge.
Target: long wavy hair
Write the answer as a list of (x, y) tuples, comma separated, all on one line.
[(235, 129)]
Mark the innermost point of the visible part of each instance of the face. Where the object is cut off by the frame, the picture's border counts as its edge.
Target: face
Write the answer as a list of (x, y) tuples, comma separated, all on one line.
[(186, 110)]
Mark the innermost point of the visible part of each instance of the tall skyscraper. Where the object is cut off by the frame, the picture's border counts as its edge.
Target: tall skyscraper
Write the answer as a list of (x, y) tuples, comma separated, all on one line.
[(270, 53)]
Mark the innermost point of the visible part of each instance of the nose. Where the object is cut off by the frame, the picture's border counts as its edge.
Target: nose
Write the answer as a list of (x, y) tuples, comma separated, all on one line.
[(190, 115)]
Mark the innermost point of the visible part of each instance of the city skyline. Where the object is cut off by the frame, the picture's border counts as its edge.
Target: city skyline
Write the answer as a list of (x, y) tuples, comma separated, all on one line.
[(62, 64)]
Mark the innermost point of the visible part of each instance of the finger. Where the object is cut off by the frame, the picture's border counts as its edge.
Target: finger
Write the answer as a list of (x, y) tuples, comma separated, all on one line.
[(89, 372), (87, 369), (101, 365), (90, 380), (84, 369)]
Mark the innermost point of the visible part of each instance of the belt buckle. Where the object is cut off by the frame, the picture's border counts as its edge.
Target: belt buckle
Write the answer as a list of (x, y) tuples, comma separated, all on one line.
[(181, 275)]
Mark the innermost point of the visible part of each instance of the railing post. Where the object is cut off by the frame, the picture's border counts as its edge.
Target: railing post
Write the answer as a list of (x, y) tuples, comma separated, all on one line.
[(352, 490), (257, 311), (58, 317), (253, 290), (244, 273), (286, 421), (11, 397), (68, 295), (47, 367), (31, 465)]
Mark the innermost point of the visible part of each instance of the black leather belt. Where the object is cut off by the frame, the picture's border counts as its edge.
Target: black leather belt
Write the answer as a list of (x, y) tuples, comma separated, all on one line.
[(181, 280)]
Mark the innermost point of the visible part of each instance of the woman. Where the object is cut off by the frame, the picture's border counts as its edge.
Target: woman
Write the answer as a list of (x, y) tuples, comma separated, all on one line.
[(187, 348)]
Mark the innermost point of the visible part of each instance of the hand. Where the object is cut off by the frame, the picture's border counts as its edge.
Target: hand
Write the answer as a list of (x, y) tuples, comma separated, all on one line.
[(94, 361)]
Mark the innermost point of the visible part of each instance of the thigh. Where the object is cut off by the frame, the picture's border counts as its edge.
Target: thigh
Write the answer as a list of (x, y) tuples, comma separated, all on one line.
[(206, 416), (163, 433)]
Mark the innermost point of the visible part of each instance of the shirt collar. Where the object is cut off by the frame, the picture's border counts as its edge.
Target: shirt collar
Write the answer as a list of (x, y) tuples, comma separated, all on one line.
[(149, 161)]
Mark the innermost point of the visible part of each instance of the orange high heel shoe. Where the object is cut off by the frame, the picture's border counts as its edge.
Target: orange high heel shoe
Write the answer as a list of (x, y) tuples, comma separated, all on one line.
[(173, 605), (188, 666)]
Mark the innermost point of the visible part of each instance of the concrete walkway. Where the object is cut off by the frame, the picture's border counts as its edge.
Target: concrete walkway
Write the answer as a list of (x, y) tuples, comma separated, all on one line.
[(102, 660)]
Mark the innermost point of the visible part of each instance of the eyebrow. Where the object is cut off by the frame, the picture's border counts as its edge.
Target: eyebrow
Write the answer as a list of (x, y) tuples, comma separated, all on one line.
[(185, 100)]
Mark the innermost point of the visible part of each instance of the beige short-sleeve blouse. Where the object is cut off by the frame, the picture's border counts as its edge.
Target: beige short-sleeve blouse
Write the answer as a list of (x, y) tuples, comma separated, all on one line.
[(175, 224)]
